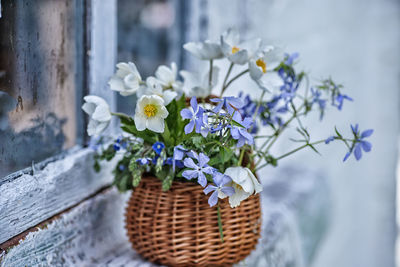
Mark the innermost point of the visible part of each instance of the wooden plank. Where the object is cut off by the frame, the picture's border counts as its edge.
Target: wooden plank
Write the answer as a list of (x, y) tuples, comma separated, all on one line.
[(91, 234), (32, 198)]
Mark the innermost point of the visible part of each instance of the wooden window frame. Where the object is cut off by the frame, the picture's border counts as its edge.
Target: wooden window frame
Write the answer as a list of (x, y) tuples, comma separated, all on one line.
[(33, 195)]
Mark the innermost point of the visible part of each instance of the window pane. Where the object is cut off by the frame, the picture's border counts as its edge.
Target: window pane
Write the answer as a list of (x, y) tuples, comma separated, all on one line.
[(40, 80), (150, 33)]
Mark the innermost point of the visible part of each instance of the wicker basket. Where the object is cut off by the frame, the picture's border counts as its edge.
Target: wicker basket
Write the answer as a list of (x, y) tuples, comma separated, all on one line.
[(178, 227)]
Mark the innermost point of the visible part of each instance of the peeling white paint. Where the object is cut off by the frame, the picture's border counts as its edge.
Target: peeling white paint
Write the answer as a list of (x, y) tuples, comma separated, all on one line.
[(30, 199)]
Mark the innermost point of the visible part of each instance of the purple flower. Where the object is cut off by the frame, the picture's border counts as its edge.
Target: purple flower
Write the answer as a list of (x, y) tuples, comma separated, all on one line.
[(229, 102), (239, 133), (360, 143), (199, 170), (179, 153), (339, 100), (158, 147), (220, 181), (195, 116)]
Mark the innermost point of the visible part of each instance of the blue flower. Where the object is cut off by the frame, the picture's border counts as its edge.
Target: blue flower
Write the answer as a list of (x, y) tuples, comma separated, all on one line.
[(95, 143), (229, 102), (144, 161), (158, 147), (119, 143), (339, 100), (289, 59), (220, 181), (121, 167), (329, 139), (317, 99), (116, 147), (195, 116), (239, 133), (199, 170), (360, 144), (290, 84)]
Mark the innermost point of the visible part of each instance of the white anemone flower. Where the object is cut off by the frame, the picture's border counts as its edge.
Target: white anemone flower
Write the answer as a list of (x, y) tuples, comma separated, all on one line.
[(99, 113), (238, 52), (126, 80), (204, 50), (167, 77), (150, 113), (262, 68), (153, 87), (244, 182), (198, 84)]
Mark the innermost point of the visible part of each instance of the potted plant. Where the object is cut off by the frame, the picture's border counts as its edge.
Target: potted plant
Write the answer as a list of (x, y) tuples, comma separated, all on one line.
[(191, 157)]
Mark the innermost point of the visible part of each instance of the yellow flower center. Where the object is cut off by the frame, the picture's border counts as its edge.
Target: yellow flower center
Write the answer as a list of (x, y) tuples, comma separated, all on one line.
[(261, 63), (150, 110), (238, 186), (235, 49)]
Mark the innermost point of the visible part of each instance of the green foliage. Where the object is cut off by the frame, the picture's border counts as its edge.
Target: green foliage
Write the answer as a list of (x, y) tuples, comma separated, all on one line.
[(167, 181)]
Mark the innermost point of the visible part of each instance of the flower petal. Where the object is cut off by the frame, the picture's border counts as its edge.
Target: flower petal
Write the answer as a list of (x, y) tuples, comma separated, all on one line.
[(203, 159), (366, 146), (155, 124), (357, 152), (202, 180), (209, 189), (190, 163), (189, 127), (213, 200), (189, 174), (140, 122), (367, 133), (229, 191)]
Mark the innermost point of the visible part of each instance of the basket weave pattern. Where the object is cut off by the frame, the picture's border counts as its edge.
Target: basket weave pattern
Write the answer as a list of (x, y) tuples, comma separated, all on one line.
[(178, 227)]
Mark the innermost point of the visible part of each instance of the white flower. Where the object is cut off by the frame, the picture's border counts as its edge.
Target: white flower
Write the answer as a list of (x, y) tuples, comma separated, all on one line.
[(198, 84), (150, 113), (154, 88), (261, 69), (204, 50), (127, 79), (167, 77), (236, 51), (99, 113), (244, 182)]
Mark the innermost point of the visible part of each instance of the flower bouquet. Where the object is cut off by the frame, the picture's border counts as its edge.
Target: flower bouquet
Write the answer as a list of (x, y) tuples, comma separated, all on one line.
[(191, 157)]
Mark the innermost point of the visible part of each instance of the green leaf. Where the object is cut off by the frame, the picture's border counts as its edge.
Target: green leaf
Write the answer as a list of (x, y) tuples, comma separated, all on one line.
[(337, 132), (235, 123), (137, 177), (96, 166), (313, 148), (167, 182)]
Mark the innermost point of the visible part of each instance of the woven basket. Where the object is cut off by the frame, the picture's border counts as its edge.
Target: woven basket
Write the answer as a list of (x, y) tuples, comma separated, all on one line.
[(178, 227)]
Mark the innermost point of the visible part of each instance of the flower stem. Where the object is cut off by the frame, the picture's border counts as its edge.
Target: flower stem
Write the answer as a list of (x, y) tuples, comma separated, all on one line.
[(221, 230), (291, 152), (226, 78), (120, 115), (210, 76), (232, 80), (241, 157)]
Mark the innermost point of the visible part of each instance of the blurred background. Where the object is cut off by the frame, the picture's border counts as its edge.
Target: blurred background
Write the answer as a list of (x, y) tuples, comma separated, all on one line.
[(357, 43)]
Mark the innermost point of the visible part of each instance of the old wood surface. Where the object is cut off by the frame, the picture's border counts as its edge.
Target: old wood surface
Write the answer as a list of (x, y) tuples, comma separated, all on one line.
[(30, 199)]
